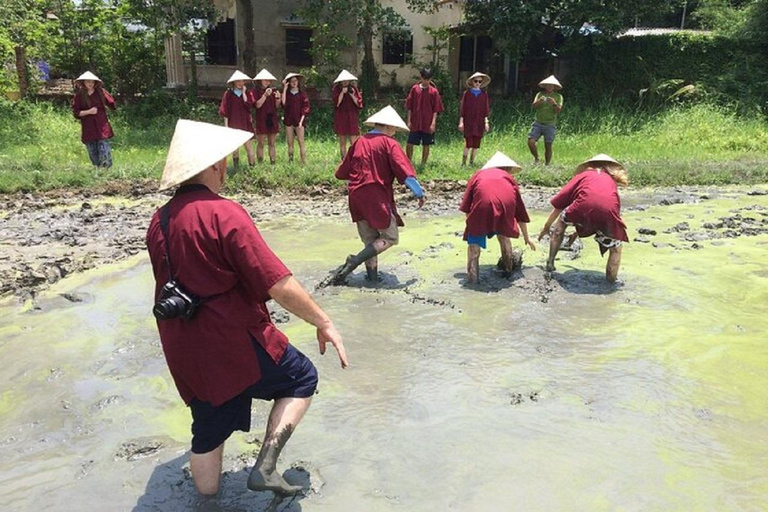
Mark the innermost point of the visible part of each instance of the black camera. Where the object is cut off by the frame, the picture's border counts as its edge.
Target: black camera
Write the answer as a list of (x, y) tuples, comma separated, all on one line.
[(175, 302)]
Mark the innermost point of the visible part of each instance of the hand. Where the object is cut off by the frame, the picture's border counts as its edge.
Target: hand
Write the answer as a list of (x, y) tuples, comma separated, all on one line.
[(530, 244), (422, 200), (345, 90), (268, 91), (244, 89), (461, 127), (432, 128), (487, 127), (277, 95), (544, 232), (328, 334)]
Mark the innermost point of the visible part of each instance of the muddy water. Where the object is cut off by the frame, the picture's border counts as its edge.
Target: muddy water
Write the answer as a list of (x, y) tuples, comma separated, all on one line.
[(521, 394)]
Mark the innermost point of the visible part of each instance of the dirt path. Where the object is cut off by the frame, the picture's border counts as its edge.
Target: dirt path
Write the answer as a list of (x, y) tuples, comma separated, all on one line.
[(46, 237)]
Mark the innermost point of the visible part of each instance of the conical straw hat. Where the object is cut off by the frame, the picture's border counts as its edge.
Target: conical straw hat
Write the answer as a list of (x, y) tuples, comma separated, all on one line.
[(195, 147), (345, 76), (601, 158), (501, 161), (264, 75), (387, 116), (87, 76), (238, 75), (550, 80), (486, 79), (291, 75)]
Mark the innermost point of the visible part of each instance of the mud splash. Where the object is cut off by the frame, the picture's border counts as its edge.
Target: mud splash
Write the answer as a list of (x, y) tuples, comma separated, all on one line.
[(649, 395)]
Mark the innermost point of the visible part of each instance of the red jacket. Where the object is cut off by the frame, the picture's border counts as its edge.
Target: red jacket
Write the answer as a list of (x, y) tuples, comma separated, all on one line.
[(591, 201), (493, 204), (474, 110), (266, 115), (423, 104), (216, 249), (296, 105), (94, 127), (345, 116), (237, 110), (372, 164)]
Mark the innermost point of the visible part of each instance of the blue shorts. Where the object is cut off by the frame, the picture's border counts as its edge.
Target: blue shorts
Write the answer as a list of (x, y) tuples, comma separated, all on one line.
[(538, 129), (479, 240), (418, 138), (295, 376)]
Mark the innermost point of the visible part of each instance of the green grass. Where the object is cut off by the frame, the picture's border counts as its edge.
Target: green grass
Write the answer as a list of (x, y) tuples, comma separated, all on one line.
[(702, 144)]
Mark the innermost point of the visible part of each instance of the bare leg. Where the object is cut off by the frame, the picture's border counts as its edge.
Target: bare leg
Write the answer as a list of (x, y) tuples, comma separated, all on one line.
[(409, 151), (534, 151), (472, 154), (271, 141), (614, 262), (507, 256), (547, 152), (424, 154), (302, 147), (464, 156), (473, 263), (352, 139), (555, 239), (342, 146), (249, 152), (206, 470), (260, 147), (289, 132), (285, 415), (236, 158)]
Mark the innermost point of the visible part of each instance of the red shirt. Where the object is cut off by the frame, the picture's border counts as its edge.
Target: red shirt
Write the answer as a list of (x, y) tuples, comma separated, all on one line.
[(237, 110), (372, 164), (494, 204), (296, 105), (95, 127), (591, 201), (345, 116), (423, 104), (216, 249), (474, 110), (266, 115)]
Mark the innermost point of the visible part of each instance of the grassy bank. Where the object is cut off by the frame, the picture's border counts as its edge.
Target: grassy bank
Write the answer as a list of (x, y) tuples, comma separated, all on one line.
[(703, 144)]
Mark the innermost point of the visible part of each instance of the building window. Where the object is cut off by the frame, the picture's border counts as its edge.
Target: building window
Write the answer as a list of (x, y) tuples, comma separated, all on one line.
[(220, 44), (298, 47), (397, 48), (475, 53)]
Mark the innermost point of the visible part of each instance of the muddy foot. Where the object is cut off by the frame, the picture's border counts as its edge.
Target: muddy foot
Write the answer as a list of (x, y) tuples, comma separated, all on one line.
[(338, 276), (550, 267), (260, 480)]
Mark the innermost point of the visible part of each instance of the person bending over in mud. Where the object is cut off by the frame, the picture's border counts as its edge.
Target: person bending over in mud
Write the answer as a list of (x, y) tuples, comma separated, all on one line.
[(206, 251), (494, 206), (371, 165), (591, 203)]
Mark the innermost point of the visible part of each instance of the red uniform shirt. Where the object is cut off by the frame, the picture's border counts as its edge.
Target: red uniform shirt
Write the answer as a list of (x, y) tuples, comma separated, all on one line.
[(95, 127), (216, 249), (494, 204), (474, 110), (266, 114), (372, 164), (237, 110), (591, 201), (296, 105), (345, 115), (423, 104)]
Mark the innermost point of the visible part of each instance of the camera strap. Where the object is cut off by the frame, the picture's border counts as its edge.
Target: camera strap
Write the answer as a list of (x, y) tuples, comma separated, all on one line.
[(165, 220)]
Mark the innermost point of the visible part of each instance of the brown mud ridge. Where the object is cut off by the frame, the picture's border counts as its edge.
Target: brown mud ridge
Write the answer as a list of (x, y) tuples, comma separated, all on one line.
[(45, 237)]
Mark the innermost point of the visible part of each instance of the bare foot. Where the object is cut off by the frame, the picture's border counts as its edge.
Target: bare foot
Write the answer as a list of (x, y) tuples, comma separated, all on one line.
[(550, 267), (260, 480)]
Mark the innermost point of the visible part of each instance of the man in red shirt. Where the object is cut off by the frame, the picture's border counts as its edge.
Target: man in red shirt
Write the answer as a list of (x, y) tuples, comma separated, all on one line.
[(371, 165), (423, 104), (591, 203), (228, 351)]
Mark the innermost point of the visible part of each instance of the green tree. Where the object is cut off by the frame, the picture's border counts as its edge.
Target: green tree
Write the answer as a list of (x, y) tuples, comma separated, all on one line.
[(25, 31)]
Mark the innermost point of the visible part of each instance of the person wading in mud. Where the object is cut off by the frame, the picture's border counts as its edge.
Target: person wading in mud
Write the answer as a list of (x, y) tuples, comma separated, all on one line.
[(227, 351), (494, 206), (591, 203), (371, 165)]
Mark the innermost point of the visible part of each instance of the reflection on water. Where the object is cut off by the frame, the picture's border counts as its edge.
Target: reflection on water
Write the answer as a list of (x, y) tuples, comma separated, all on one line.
[(521, 395)]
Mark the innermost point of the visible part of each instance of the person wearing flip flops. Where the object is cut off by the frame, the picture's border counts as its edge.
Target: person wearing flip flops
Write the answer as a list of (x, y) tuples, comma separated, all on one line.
[(473, 115), (371, 166), (235, 108), (548, 104), (494, 207), (267, 99), (590, 202), (347, 103)]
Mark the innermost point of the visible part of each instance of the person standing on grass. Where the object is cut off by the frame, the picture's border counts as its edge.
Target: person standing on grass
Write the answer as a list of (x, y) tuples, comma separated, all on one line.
[(473, 115), (548, 104), (296, 109), (235, 108), (423, 105), (372, 164), (347, 103), (89, 106), (591, 203), (266, 101), (494, 206), (228, 351)]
